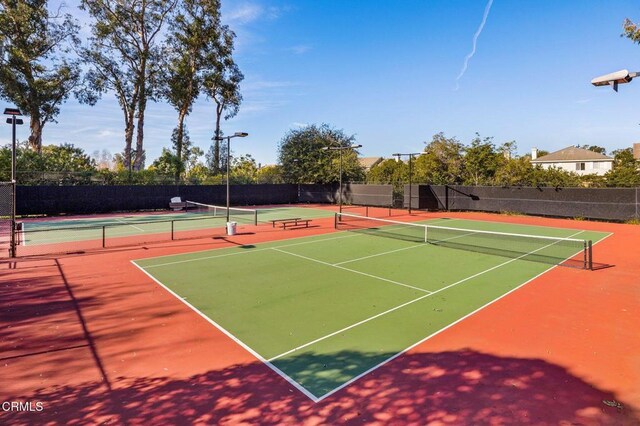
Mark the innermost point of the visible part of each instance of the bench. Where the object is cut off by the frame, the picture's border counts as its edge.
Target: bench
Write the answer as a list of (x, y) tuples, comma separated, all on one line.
[(274, 221), (177, 204), (297, 222)]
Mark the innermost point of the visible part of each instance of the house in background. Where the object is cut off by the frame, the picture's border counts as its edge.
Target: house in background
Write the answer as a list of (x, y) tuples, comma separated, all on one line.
[(368, 162), (572, 159)]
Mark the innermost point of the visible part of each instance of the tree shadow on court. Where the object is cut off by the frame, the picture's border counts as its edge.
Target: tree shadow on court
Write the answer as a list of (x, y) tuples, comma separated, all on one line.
[(44, 325), (34, 300), (457, 387)]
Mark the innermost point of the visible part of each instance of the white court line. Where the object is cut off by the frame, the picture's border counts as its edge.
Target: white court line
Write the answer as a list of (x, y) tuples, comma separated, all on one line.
[(350, 270), (124, 222), (359, 376), (292, 381), (401, 249), (379, 254), (215, 256), (232, 337), (341, 233), (410, 302)]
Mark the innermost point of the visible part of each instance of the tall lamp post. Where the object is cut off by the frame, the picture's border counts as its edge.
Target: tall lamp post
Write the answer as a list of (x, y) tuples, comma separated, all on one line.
[(410, 155), (13, 119), (228, 138), (340, 148)]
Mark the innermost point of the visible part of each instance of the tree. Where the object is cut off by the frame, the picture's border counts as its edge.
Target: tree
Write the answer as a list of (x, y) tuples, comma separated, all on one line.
[(222, 84), (631, 31), (269, 174), (103, 159), (216, 157), (554, 176), (192, 50), (124, 57), (303, 160), (66, 157), (481, 161), (625, 170), (514, 172), (389, 172), (166, 164), (35, 73), (63, 163), (169, 163), (244, 170), (594, 148), (442, 163)]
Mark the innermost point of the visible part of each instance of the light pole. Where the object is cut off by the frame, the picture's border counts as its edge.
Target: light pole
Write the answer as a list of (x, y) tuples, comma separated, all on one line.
[(228, 138), (14, 113), (410, 155), (340, 148)]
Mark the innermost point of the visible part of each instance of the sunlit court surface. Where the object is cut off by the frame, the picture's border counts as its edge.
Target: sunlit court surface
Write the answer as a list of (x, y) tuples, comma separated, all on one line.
[(442, 317)]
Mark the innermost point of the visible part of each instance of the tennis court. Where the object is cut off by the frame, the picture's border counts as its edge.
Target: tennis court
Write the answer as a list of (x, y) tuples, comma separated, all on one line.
[(324, 310), (65, 230)]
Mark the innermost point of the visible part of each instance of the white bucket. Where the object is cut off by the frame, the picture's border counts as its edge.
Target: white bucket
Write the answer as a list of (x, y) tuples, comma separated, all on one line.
[(231, 228)]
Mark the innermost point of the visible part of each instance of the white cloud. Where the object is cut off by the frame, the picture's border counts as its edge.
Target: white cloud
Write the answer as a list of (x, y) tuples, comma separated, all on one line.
[(299, 49), (106, 133), (248, 12), (261, 85), (257, 106), (245, 13)]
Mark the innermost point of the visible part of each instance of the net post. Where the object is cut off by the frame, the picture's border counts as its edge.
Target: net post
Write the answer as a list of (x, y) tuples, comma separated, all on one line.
[(590, 255), (104, 236), (335, 221), (425, 234), (172, 230), (255, 217), (366, 211)]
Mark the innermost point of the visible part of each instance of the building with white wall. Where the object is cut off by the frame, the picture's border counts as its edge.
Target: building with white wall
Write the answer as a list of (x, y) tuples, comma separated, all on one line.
[(573, 159)]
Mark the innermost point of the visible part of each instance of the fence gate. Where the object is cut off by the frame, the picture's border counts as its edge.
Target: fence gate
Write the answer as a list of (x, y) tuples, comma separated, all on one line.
[(7, 219)]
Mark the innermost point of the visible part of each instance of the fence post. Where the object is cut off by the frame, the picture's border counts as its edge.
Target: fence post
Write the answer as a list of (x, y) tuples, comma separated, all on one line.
[(12, 230)]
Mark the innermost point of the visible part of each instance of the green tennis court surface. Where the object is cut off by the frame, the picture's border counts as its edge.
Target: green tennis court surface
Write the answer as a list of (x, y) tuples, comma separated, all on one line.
[(91, 228), (324, 310)]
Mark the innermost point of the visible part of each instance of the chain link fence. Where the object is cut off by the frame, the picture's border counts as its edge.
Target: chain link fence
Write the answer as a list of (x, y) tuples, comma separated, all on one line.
[(7, 235)]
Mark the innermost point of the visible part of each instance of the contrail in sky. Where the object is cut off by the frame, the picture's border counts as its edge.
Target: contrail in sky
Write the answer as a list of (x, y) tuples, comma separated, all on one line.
[(487, 9)]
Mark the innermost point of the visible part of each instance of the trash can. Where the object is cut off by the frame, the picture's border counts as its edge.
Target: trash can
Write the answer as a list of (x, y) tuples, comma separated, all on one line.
[(231, 228)]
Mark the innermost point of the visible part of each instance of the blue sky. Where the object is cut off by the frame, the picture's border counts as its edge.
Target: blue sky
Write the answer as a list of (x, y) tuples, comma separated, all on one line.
[(386, 71)]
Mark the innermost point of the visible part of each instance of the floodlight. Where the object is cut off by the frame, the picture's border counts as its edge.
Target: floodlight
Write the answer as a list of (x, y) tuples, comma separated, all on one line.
[(12, 111), (614, 78)]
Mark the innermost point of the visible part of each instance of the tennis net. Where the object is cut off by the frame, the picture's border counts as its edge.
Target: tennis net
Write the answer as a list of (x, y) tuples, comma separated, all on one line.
[(570, 252), (235, 213)]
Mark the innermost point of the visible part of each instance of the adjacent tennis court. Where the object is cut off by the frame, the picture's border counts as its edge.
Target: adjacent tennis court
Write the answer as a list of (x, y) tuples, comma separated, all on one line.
[(196, 217), (323, 311)]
